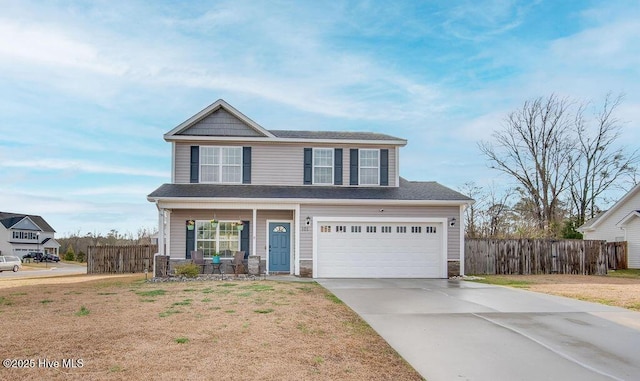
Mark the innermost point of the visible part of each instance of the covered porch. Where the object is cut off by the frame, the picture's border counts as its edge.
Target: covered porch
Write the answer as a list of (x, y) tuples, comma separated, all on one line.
[(269, 231)]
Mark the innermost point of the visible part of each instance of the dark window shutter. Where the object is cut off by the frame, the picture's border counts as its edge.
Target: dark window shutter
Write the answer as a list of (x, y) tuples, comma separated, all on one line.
[(246, 165), (353, 167), (195, 164), (191, 239), (308, 165), (384, 167), (337, 166), (244, 238)]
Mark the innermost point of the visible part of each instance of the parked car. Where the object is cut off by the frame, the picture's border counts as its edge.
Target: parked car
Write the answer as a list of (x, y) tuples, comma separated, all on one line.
[(31, 255), (46, 257), (10, 263)]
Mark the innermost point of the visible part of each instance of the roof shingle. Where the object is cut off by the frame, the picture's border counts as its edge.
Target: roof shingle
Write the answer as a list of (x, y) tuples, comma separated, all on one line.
[(408, 191)]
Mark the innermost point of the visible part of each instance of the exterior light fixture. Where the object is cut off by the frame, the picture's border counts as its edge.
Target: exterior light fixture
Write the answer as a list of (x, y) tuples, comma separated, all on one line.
[(308, 219)]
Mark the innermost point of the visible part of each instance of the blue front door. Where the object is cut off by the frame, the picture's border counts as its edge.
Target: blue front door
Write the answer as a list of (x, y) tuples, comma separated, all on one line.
[(279, 246)]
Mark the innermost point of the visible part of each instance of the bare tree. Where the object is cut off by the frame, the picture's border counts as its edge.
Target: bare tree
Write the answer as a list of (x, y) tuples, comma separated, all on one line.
[(490, 215), (471, 213), (497, 215), (600, 164), (535, 148)]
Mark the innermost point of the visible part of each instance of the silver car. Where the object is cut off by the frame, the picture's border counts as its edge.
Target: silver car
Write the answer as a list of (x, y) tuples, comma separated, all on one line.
[(10, 263)]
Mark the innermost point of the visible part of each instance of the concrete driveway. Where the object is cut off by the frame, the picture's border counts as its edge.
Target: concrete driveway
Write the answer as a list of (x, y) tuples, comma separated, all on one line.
[(457, 330)]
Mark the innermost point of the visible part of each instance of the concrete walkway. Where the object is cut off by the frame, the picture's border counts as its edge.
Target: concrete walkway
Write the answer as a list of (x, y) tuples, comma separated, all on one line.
[(457, 330)]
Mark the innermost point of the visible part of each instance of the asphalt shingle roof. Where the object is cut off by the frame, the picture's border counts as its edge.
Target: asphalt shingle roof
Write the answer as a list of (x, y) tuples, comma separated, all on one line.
[(408, 190), (10, 219), (332, 135)]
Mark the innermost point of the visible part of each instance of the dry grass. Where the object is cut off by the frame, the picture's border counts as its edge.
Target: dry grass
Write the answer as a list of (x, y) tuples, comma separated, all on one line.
[(124, 328), (610, 290)]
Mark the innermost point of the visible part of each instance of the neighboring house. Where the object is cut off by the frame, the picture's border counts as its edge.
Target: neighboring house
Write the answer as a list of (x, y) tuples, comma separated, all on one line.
[(23, 233), (620, 223), (309, 203)]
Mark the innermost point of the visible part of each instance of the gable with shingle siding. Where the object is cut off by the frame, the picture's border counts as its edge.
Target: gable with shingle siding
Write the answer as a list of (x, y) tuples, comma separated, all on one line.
[(220, 123)]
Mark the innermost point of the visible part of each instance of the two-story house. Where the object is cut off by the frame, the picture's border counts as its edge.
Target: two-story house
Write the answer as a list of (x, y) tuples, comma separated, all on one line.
[(309, 203), (23, 233)]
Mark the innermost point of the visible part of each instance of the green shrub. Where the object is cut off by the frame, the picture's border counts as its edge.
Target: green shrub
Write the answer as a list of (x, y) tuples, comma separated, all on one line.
[(84, 311), (69, 256), (190, 270), (81, 256)]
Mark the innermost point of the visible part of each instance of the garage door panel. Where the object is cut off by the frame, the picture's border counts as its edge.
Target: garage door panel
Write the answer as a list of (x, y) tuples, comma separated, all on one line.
[(414, 252)]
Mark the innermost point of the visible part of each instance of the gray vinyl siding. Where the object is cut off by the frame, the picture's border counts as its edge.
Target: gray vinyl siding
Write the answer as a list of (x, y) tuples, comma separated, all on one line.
[(220, 123), (182, 163), (306, 235), (277, 164)]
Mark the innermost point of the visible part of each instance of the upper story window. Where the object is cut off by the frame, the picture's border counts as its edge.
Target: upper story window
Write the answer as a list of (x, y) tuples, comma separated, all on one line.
[(323, 165), (17, 234), (369, 170), (220, 164)]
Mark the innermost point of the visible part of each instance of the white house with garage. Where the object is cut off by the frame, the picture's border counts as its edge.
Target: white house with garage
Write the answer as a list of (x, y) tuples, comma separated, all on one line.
[(316, 204), (24, 233), (620, 223)]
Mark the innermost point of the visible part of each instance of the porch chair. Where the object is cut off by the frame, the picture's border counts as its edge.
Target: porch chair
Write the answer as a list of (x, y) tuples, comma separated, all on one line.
[(197, 258), (238, 263)]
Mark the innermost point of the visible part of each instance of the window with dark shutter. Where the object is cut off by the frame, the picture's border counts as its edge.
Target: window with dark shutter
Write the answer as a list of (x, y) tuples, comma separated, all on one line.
[(353, 167), (384, 167), (337, 166), (244, 238), (191, 237), (308, 165), (195, 164), (246, 165)]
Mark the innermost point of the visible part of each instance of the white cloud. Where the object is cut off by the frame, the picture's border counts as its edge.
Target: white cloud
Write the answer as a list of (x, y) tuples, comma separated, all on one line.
[(49, 45), (123, 190), (82, 166)]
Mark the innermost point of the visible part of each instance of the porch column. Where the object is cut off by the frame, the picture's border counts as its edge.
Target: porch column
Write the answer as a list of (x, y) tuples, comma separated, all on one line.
[(254, 224), (167, 232), (160, 231), (296, 246)]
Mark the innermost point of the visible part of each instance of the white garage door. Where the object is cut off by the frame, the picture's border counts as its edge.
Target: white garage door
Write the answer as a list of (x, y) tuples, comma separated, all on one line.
[(371, 249)]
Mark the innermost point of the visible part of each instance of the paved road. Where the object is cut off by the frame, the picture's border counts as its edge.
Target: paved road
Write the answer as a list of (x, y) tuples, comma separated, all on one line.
[(53, 269), (456, 330)]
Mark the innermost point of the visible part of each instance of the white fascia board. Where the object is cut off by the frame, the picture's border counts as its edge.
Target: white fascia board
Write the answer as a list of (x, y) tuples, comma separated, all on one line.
[(628, 217), (195, 138), (270, 203), (615, 206)]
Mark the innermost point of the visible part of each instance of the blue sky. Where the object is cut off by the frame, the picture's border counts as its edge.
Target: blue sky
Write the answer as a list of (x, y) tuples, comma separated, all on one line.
[(88, 88)]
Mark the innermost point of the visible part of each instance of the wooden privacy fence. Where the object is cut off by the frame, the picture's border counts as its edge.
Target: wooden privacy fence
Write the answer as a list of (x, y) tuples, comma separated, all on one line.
[(616, 255), (120, 259), (539, 256)]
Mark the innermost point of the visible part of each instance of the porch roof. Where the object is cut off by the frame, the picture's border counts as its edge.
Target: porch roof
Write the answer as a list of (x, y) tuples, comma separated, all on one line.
[(407, 191)]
